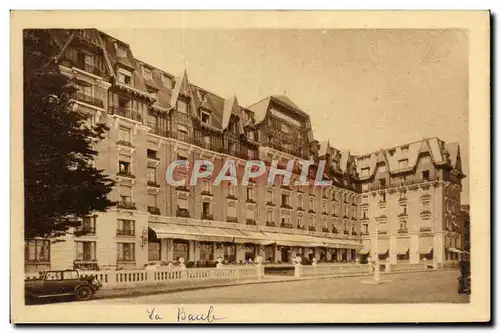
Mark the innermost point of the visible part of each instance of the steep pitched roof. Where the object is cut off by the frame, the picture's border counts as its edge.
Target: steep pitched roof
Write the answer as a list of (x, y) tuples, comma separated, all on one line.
[(286, 100), (394, 155), (323, 147), (259, 109), (453, 149)]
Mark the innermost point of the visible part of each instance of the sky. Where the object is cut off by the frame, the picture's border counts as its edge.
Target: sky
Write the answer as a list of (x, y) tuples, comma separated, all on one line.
[(363, 89)]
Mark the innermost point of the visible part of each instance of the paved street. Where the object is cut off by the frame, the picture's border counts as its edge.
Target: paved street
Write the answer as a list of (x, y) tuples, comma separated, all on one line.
[(434, 286)]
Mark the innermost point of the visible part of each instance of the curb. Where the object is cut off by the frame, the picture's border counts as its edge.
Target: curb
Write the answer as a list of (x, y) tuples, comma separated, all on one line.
[(190, 288)]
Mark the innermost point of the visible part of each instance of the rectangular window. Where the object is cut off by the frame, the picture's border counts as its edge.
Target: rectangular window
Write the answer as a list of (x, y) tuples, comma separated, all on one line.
[(270, 195), (206, 208), (250, 194), (300, 221), (147, 73), (365, 172), (285, 128), (124, 76), (425, 175), (382, 197), (121, 51), (85, 89), (404, 149), (182, 106), (230, 190), (206, 187), (205, 117), (125, 227), (182, 203), (311, 221), (382, 168), (325, 206), (125, 193), (231, 210), (154, 250), (300, 201), (167, 81), (124, 134), (251, 135), (124, 164), (311, 204), (37, 250), (125, 251), (269, 216), (403, 163), (85, 251), (152, 154), (285, 200), (152, 200), (250, 214), (88, 224), (151, 175)]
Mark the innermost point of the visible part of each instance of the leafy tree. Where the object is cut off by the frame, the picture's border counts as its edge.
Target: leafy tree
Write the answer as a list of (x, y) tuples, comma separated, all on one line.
[(60, 182)]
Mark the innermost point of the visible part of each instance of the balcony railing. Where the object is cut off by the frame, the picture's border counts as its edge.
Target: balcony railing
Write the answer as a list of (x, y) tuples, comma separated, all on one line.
[(158, 131), (346, 232), (153, 157), (382, 232), (287, 206), (402, 231), (125, 232), (126, 174), (125, 112), (354, 233), (89, 68), (250, 200), (270, 224), (125, 143), (335, 230), (403, 215), (85, 231), (312, 228), (425, 229), (365, 233), (425, 214), (286, 225), (232, 197), (206, 192), (311, 211), (251, 222), (89, 100), (232, 219), (153, 183), (154, 210), (325, 230), (400, 183), (301, 227), (270, 203), (182, 188), (207, 217), (182, 212), (300, 209), (126, 204)]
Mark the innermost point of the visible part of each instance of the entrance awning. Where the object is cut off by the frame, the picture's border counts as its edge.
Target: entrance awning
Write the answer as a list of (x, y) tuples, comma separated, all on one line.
[(365, 250), (294, 240), (339, 243), (402, 250), (208, 234), (256, 237), (189, 232), (425, 249), (455, 250)]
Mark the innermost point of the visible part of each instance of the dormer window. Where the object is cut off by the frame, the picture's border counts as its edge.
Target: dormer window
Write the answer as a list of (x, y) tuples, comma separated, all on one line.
[(404, 149), (182, 106), (403, 163), (201, 95), (251, 135), (146, 72), (167, 81), (365, 172), (205, 117), (121, 51), (285, 128), (124, 76)]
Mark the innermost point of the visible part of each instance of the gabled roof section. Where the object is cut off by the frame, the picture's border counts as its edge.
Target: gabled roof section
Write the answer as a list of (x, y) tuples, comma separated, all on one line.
[(181, 86), (395, 155), (453, 149), (286, 100), (231, 107), (344, 159), (259, 109), (323, 147)]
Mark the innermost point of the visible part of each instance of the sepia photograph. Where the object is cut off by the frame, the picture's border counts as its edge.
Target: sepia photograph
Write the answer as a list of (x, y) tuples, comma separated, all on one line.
[(188, 171)]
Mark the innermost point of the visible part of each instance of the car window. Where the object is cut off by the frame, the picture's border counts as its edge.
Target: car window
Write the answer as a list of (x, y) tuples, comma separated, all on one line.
[(52, 276), (70, 275)]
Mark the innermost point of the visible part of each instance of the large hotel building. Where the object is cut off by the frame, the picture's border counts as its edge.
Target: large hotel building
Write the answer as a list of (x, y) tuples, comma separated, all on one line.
[(407, 197)]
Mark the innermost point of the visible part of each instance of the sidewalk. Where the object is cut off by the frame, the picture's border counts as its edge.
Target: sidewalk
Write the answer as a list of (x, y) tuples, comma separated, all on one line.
[(171, 288)]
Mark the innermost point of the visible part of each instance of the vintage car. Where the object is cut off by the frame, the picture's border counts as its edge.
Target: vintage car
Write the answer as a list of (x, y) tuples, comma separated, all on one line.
[(61, 284)]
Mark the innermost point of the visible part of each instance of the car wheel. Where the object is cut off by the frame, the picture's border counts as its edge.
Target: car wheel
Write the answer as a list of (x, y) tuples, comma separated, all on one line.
[(83, 293)]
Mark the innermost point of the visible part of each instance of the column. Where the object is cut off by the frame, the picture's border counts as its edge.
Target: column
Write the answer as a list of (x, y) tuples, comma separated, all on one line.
[(191, 251), (277, 253), (240, 252), (316, 253), (169, 248), (339, 255), (393, 250), (438, 250), (414, 249), (328, 254), (164, 249), (348, 255)]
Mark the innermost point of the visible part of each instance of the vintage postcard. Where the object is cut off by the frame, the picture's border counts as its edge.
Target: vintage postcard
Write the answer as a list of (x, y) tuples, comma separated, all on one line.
[(250, 167)]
